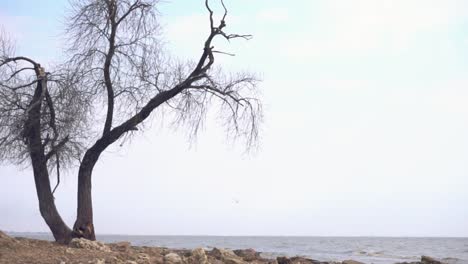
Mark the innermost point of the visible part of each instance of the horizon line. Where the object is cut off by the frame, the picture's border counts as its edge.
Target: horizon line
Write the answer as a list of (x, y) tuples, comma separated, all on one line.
[(205, 235)]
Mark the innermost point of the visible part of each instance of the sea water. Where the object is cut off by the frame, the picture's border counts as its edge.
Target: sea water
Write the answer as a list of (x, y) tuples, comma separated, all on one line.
[(378, 250)]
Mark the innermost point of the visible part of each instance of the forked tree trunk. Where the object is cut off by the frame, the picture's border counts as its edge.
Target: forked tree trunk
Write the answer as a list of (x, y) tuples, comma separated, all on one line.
[(84, 226), (32, 133)]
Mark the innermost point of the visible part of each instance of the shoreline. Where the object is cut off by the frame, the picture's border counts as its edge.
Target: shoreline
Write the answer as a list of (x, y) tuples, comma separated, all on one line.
[(27, 250)]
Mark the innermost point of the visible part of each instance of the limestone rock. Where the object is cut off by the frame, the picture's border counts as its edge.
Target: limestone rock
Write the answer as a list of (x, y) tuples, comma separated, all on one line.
[(226, 256), (247, 254), (70, 251), (157, 259), (121, 246), (115, 260), (198, 257), (143, 258), (172, 258), (283, 260), (88, 244), (429, 260)]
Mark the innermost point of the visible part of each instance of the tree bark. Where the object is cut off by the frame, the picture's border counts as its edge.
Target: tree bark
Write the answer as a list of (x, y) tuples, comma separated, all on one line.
[(32, 134), (61, 232), (84, 225)]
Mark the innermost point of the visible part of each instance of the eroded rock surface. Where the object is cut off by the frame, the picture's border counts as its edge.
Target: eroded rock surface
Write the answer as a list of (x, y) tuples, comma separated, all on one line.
[(173, 258), (226, 256), (198, 257), (87, 244), (247, 254)]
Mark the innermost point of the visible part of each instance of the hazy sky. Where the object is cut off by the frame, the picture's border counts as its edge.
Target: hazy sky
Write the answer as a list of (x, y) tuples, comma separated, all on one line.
[(365, 133)]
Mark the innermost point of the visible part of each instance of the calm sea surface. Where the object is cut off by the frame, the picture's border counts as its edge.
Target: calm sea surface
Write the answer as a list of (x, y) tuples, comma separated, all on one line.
[(379, 250)]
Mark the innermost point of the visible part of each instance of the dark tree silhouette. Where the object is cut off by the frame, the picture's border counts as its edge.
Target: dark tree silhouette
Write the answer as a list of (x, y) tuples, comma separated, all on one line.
[(48, 119)]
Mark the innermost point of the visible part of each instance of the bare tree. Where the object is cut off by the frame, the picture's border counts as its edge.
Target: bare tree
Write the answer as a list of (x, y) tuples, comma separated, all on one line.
[(116, 60), (43, 117)]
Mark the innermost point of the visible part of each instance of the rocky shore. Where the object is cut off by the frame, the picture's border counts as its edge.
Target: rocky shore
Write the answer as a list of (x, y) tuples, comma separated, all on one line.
[(80, 251)]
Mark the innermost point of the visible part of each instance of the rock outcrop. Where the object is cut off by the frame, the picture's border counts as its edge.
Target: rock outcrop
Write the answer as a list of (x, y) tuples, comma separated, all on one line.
[(247, 254), (226, 256), (88, 244), (429, 260), (198, 257), (172, 258), (121, 246)]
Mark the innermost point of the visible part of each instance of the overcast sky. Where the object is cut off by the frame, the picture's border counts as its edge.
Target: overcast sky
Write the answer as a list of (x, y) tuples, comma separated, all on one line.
[(365, 133)]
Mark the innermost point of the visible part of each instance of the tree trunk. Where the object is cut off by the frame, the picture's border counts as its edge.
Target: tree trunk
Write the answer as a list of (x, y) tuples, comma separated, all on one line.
[(61, 232), (32, 135), (84, 225)]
